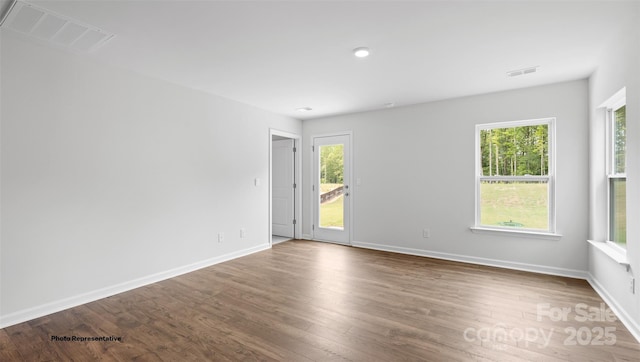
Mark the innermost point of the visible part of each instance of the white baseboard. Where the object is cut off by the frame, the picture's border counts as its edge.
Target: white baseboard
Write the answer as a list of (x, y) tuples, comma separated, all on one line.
[(59, 305), (306, 237), (620, 312), (571, 273), (279, 241)]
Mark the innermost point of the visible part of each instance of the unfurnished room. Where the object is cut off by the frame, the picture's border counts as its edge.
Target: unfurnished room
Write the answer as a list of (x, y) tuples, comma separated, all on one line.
[(208, 180)]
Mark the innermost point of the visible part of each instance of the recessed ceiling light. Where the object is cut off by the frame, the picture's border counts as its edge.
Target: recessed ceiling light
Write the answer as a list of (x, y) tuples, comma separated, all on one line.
[(304, 109), (389, 105), (361, 52)]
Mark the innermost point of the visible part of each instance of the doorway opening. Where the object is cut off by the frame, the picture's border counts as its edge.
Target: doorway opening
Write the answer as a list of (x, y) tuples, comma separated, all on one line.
[(284, 186)]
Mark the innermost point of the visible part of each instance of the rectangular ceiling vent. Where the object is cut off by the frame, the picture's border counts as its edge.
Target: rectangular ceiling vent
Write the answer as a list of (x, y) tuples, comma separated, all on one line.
[(515, 73), (53, 28)]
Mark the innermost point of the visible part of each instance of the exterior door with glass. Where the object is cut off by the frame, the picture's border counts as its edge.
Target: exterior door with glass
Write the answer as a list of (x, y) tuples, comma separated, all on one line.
[(331, 188)]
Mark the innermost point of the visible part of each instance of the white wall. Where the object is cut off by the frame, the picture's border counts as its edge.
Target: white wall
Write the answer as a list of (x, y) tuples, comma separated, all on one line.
[(618, 68), (416, 166), (111, 179)]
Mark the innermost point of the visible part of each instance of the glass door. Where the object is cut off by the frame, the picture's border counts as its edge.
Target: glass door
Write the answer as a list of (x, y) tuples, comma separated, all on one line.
[(331, 188)]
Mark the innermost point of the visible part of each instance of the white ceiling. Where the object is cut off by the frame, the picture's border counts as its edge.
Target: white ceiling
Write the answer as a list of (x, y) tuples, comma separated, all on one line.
[(280, 56)]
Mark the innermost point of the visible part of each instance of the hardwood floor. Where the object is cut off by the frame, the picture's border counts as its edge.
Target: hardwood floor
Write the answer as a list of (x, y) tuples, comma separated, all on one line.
[(309, 301)]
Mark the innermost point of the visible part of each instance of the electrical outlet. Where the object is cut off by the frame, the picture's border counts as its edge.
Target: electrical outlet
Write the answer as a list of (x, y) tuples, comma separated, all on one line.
[(632, 285), (220, 237), (243, 233), (426, 233)]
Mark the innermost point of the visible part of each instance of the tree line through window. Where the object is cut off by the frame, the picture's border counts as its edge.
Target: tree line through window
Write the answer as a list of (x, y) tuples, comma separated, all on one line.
[(515, 175), (515, 151)]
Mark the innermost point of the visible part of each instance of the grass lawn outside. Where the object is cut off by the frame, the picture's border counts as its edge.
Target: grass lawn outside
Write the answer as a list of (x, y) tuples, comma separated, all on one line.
[(332, 213), (524, 203), (618, 207)]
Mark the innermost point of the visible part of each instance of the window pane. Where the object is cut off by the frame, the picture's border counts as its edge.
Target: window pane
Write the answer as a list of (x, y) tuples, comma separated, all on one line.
[(515, 151), (618, 210), (619, 139), (331, 186), (516, 204)]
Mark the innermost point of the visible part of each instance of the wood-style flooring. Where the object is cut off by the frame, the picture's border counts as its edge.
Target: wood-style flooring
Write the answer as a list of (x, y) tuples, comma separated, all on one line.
[(311, 301)]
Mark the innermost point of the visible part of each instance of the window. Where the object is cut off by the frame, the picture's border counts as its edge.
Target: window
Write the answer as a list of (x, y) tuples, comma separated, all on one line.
[(616, 172), (515, 176)]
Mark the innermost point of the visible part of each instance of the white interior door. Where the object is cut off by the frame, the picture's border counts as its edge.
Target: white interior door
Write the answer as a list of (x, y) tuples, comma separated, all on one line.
[(282, 158), (332, 173)]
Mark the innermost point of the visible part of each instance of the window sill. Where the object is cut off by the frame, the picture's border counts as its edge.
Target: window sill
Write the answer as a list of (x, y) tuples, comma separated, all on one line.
[(519, 233), (610, 251)]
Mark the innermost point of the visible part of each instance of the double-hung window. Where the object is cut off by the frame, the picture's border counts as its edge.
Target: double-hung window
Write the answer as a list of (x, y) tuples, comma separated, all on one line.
[(616, 171), (515, 176)]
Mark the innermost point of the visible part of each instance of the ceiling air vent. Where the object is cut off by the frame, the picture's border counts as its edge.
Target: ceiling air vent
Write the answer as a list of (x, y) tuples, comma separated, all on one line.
[(515, 73), (57, 29)]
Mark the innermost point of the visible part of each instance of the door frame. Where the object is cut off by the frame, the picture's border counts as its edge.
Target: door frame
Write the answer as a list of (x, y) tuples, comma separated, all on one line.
[(297, 176), (349, 199)]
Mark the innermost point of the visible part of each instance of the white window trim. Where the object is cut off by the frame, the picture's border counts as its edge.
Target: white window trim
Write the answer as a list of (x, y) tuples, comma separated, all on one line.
[(610, 248), (515, 232), (613, 104), (550, 178), (615, 252)]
